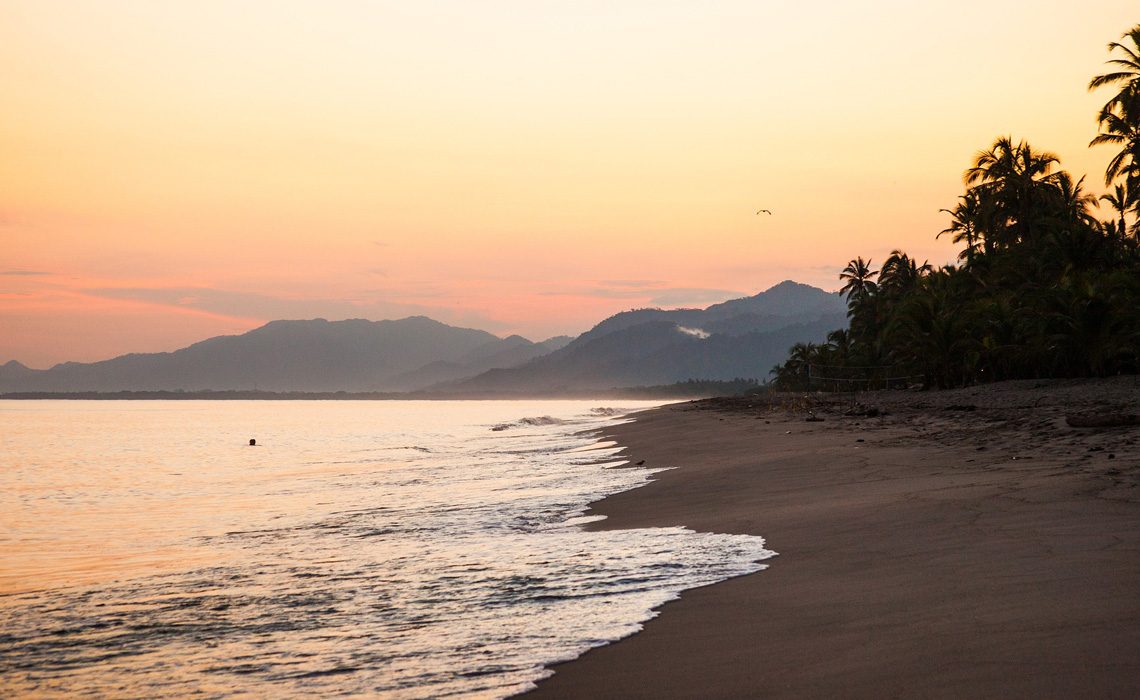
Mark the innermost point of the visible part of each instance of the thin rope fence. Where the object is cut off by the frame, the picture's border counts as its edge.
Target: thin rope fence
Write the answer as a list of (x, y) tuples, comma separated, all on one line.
[(860, 378)]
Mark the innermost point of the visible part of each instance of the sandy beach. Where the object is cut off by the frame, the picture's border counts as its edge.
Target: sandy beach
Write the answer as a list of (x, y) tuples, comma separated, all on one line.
[(967, 543)]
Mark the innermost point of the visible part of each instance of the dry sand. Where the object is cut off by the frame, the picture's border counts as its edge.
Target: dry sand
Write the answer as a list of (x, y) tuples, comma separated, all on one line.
[(967, 544)]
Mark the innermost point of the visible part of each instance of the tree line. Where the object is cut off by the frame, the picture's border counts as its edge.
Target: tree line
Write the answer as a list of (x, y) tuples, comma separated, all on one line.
[(1042, 287)]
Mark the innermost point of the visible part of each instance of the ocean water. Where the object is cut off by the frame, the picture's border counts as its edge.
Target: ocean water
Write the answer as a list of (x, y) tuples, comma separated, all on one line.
[(376, 549)]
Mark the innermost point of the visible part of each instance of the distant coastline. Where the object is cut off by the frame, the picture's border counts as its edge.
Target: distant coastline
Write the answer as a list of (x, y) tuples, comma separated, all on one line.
[(681, 390)]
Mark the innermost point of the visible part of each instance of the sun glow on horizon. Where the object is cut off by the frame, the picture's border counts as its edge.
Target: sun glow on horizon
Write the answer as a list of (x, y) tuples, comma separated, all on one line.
[(173, 170)]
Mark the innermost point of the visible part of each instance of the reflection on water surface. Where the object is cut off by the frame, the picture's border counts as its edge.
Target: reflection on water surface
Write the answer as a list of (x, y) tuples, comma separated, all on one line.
[(402, 549)]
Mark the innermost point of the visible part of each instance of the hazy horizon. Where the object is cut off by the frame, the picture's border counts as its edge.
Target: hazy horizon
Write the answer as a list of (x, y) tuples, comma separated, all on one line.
[(501, 336), (176, 171)]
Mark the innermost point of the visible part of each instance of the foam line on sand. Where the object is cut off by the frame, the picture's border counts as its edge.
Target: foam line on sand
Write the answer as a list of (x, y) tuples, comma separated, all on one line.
[(965, 544)]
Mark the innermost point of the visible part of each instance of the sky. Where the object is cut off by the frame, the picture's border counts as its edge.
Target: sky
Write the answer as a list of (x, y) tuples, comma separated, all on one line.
[(172, 171)]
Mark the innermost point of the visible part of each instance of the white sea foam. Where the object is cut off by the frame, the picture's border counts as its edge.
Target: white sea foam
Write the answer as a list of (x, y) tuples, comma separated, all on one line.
[(390, 549)]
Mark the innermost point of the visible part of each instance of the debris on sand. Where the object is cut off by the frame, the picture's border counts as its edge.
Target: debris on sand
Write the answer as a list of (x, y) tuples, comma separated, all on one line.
[(1101, 420)]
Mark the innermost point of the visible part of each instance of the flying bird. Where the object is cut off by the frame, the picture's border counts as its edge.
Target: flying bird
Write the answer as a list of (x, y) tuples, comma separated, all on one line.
[(764, 211)]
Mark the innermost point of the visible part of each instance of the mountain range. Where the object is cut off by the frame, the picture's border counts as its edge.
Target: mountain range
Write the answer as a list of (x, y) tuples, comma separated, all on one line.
[(739, 338)]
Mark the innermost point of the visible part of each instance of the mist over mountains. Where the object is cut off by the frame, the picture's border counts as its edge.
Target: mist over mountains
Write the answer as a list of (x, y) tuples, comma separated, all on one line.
[(741, 338), (738, 338)]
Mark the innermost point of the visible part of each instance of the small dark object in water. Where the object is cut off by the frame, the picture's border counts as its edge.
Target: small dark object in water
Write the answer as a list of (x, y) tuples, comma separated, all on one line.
[(252, 442), (641, 462), (1111, 456), (860, 440), (961, 407)]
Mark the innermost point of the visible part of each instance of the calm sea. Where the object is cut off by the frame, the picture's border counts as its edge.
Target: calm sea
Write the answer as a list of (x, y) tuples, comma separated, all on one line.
[(393, 549)]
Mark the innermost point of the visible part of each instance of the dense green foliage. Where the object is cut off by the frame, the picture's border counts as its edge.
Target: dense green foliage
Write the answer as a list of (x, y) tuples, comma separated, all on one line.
[(1042, 286)]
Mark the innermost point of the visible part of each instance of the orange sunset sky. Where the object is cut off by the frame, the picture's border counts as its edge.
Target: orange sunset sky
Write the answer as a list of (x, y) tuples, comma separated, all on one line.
[(171, 171)]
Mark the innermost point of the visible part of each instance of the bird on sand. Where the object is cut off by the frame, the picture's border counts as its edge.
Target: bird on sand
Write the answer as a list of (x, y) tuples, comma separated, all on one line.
[(764, 211)]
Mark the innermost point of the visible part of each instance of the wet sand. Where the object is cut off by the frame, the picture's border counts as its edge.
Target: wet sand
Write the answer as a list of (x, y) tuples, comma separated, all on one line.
[(966, 544)]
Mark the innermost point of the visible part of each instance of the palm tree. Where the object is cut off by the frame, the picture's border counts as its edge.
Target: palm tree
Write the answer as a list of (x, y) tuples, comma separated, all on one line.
[(1087, 325), (1121, 127), (862, 301), (930, 332), (1019, 180), (840, 342), (1122, 202), (859, 280), (965, 225), (1127, 73), (901, 273), (1046, 288), (794, 373), (802, 354), (1074, 204), (1003, 335), (1119, 119)]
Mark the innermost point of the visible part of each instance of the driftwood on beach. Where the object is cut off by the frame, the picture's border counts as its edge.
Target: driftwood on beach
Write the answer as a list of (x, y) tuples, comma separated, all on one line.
[(1101, 420)]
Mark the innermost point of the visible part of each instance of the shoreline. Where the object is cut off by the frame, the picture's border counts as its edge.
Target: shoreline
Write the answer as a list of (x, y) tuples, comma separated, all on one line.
[(952, 544)]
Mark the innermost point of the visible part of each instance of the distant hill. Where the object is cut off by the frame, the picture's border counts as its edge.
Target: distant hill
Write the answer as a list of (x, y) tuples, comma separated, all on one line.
[(312, 355), (512, 351), (742, 338)]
